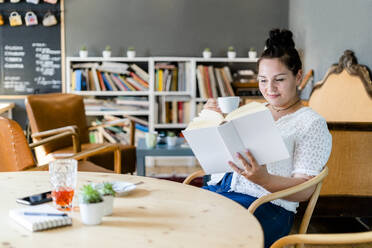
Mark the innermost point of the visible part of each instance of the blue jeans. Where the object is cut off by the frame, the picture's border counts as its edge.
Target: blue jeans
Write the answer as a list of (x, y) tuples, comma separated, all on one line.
[(276, 221)]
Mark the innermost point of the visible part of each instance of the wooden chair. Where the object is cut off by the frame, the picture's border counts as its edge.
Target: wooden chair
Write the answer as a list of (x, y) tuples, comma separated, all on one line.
[(57, 112), (324, 239), (317, 180), (344, 98), (16, 153)]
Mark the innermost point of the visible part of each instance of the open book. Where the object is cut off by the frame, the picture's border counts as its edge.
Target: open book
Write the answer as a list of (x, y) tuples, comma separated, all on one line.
[(215, 140)]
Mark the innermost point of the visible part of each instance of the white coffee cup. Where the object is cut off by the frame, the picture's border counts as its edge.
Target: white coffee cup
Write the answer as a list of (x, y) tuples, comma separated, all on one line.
[(151, 139), (228, 104)]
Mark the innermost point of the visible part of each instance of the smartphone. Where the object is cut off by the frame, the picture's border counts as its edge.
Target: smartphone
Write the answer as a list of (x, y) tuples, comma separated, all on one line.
[(36, 199)]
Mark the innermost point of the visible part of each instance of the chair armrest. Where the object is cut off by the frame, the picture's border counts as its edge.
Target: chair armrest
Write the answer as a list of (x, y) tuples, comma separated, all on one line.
[(57, 133), (193, 175), (339, 238), (286, 192), (50, 132), (102, 149)]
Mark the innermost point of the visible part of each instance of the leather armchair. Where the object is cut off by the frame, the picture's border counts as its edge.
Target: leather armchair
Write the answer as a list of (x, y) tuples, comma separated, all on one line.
[(16, 153), (57, 112)]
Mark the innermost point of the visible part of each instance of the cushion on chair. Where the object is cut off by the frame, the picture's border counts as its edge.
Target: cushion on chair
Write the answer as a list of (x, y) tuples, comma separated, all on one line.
[(15, 153)]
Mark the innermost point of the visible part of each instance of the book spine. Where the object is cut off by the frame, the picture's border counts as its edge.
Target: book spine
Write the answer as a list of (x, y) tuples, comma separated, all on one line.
[(108, 86), (174, 86), (135, 84), (141, 127), (207, 81), (109, 80), (143, 74), (78, 79), (117, 83), (101, 82), (96, 80), (139, 80), (124, 80)]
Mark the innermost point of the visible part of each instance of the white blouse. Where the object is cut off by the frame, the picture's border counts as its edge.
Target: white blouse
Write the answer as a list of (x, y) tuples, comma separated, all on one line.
[(309, 144)]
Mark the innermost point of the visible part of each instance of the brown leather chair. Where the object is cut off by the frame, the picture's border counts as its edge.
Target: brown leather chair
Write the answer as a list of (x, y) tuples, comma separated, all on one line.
[(16, 155), (66, 111)]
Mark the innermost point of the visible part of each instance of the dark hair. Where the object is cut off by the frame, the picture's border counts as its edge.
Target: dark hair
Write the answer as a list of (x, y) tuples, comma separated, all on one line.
[(281, 45)]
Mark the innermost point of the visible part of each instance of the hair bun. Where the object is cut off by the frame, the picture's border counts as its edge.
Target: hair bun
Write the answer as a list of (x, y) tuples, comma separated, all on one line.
[(280, 39)]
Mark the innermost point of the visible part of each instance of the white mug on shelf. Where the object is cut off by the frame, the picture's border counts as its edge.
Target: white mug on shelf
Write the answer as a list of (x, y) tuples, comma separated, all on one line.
[(228, 104), (151, 139)]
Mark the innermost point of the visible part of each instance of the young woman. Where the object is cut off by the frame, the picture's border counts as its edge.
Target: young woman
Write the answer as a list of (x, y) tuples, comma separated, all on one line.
[(304, 132)]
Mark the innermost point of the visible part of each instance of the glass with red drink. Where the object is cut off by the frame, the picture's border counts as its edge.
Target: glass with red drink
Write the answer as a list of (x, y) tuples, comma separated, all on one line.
[(63, 173)]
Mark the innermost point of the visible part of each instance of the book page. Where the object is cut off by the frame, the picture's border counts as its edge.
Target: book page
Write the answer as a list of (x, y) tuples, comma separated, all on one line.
[(209, 148), (249, 108), (260, 135), (206, 118), (233, 142)]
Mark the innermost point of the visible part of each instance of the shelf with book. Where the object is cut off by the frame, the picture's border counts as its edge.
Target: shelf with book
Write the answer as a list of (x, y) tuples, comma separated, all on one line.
[(186, 84)]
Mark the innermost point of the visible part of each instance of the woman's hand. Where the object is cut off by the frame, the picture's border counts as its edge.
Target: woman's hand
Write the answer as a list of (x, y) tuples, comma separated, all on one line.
[(252, 170), (212, 105)]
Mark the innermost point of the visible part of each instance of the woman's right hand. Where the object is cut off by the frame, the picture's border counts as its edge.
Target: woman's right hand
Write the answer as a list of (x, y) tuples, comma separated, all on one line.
[(211, 104)]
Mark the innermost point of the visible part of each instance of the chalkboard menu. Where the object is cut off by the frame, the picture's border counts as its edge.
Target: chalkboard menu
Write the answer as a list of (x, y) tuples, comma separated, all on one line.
[(30, 56)]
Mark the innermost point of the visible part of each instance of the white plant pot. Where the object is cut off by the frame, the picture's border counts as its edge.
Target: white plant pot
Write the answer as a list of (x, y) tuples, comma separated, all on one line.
[(108, 201), (91, 214), (106, 54), (171, 141), (131, 54), (231, 54), (252, 54), (83, 54), (207, 54)]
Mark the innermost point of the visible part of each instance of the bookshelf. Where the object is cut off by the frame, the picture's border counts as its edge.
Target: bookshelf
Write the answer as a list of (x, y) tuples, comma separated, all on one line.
[(182, 94)]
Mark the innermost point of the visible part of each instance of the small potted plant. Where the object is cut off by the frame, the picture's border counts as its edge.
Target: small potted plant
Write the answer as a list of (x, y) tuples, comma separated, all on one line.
[(107, 52), (83, 53), (252, 54), (91, 205), (171, 139), (107, 193), (231, 53), (131, 52), (207, 53)]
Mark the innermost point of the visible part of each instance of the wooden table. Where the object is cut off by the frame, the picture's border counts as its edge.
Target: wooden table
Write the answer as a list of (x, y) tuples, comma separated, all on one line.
[(6, 107), (157, 213)]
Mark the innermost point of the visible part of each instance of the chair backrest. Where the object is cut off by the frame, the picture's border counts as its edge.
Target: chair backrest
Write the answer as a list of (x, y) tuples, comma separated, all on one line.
[(345, 93), (15, 153), (344, 99), (324, 239), (50, 111)]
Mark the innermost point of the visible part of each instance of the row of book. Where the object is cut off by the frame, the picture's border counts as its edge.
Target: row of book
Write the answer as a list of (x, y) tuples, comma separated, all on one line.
[(214, 82), (118, 104), (110, 76), (172, 77), (117, 133), (175, 110)]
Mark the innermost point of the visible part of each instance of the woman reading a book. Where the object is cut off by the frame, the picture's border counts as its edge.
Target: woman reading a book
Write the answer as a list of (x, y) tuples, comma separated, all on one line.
[(304, 132)]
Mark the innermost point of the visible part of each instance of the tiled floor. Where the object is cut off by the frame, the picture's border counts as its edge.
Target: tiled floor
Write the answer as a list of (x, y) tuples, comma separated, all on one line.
[(317, 225)]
